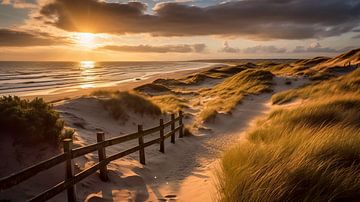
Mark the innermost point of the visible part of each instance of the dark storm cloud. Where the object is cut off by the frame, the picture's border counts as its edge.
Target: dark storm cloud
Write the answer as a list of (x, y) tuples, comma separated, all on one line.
[(15, 38), (182, 48), (260, 19)]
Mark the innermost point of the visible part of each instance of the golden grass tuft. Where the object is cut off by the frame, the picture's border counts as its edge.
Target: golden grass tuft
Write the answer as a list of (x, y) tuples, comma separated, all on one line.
[(308, 153), (335, 86), (226, 95), (153, 88), (121, 102), (169, 103)]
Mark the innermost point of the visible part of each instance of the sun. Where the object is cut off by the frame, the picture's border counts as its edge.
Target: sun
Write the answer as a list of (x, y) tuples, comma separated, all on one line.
[(86, 40)]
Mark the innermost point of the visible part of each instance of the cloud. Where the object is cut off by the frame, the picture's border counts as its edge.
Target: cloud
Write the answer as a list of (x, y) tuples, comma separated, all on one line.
[(251, 50), (264, 49), (16, 38), (22, 4), (257, 19), (316, 47), (228, 49), (182, 48)]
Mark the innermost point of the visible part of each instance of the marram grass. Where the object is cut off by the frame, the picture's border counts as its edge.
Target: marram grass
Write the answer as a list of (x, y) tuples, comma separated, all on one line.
[(310, 153)]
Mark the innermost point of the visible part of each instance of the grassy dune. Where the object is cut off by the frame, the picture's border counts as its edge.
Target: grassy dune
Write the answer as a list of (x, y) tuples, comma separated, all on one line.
[(308, 153), (169, 103), (120, 103), (349, 83), (226, 95)]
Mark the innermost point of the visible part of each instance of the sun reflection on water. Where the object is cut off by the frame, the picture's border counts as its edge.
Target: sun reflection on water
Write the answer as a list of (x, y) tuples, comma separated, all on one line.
[(87, 74), (87, 64)]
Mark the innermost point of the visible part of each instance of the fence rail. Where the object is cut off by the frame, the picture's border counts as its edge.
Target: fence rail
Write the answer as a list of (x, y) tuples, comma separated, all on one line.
[(71, 179)]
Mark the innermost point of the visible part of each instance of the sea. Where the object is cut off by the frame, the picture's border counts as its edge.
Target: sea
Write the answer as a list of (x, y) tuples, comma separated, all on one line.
[(43, 78)]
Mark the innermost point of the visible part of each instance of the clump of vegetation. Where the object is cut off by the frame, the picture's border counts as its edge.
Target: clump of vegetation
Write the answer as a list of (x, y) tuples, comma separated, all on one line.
[(153, 88), (208, 114), (68, 134), (226, 95), (121, 102), (169, 103), (169, 82), (288, 82), (349, 83), (30, 121), (200, 77), (103, 93), (307, 153)]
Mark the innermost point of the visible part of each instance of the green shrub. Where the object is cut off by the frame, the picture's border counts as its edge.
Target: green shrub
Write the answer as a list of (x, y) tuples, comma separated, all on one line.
[(33, 120)]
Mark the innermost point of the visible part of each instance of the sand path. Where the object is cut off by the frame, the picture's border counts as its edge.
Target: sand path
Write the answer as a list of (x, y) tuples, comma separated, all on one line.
[(192, 176), (186, 171)]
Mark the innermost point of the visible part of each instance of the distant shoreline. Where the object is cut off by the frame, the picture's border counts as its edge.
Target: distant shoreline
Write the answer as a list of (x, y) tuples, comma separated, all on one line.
[(124, 86)]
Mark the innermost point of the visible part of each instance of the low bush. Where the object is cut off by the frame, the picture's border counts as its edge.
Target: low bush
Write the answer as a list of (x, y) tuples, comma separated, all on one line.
[(30, 121)]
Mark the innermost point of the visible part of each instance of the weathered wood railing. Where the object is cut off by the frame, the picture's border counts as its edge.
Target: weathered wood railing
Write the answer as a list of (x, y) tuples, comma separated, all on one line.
[(69, 154)]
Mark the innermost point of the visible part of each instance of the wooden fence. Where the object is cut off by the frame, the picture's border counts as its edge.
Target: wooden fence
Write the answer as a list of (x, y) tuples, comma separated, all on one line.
[(71, 153)]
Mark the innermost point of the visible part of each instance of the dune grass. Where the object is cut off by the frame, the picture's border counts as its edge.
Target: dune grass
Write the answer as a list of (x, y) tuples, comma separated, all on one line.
[(120, 103), (30, 121), (226, 95), (153, 88), (169, 103), (308, 153), (335, 86)]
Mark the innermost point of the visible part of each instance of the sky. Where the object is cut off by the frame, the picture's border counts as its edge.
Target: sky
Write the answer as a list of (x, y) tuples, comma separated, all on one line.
[(156, 30)]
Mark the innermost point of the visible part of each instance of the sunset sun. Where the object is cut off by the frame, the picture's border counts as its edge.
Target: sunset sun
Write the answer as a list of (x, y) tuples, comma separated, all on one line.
[(86, 40)]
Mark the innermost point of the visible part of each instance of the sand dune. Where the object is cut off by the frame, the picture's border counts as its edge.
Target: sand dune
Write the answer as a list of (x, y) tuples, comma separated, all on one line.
[(185, 171)]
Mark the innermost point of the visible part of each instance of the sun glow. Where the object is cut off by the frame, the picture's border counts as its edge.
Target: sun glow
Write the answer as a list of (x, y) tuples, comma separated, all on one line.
[(86, 40), (88, 74), (87, 64)]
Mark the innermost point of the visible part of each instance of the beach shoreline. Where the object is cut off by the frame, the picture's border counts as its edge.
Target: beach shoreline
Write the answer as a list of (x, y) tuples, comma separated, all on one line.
[(123, 86)]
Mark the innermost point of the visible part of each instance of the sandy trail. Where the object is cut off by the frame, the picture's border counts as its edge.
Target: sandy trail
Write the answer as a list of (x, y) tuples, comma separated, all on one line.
[(194, 172), (184, 173)]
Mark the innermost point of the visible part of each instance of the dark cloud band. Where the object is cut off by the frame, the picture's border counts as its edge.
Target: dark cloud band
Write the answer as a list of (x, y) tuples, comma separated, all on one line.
[(13, 38), (259, 19), (182, 48)]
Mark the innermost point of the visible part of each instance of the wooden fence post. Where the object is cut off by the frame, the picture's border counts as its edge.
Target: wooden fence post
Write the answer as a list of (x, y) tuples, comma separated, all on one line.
[(181, 131), (162, 140), (67, 144), (141, 144), (173, 128), (102, 156)]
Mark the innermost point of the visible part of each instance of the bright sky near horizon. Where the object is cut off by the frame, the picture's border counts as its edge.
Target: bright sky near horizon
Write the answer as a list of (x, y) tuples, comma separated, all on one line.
[(119, 30)]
